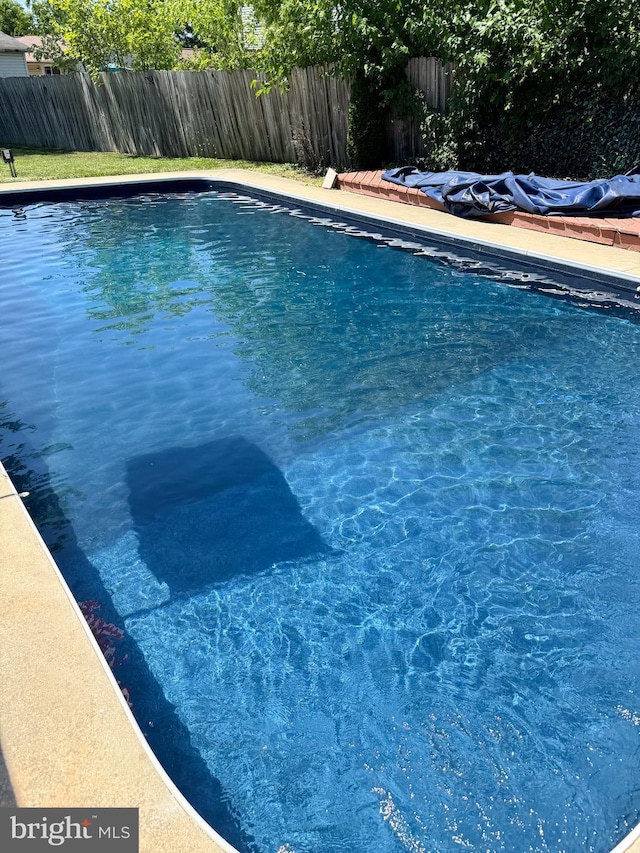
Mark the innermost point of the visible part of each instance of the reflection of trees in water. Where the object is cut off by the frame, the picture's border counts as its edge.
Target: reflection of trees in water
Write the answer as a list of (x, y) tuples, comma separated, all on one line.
[(139, 261), (329, 326), (27, 466)]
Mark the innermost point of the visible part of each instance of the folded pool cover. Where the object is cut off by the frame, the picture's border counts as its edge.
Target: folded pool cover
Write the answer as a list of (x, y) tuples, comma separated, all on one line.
[(471, 195)]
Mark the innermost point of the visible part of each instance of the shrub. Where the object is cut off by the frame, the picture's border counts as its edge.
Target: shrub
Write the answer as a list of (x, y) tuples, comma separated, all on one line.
[(547, 86)]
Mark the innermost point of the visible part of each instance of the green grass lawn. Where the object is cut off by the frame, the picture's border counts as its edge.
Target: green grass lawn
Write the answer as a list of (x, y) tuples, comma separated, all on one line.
[(42, 164)]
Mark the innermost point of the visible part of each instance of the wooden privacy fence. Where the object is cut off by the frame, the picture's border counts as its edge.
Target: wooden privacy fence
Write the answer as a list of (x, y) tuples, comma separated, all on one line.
[(195, 114)]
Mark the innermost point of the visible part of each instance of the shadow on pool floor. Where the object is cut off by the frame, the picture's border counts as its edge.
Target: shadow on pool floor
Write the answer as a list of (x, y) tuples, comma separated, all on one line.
[(206, 514)]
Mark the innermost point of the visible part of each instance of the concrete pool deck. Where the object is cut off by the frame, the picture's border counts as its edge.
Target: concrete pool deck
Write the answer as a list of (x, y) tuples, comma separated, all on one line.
[(67, 735)]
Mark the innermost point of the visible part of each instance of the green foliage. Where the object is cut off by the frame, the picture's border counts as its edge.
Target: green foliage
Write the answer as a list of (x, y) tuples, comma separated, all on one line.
[(367, 128), (201, 60), (14, 20), (440, 144), (120, 33), (366, 42), (594, 136), (142, 34), (220, 33), (544, 85), (541, 85), (359, 36)]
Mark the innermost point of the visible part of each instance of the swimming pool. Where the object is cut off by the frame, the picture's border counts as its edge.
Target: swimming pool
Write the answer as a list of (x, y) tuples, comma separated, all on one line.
[(367, 520)]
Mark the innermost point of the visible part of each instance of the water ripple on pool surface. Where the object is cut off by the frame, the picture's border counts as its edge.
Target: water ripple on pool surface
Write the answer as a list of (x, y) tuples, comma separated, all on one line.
[(392, 611)]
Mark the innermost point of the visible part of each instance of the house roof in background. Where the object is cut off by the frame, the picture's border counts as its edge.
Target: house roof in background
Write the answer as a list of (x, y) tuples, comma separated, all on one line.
[(10, 45), (30, 42)]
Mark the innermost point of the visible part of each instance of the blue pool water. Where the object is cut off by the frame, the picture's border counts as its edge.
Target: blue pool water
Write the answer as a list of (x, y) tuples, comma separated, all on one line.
[(369, 522)]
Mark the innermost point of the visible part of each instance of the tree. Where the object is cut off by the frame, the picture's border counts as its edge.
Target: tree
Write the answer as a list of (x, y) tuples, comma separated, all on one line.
[(221, 34), (143, 34), (545, 85), (370, 43), (14, 20), (123, 33)]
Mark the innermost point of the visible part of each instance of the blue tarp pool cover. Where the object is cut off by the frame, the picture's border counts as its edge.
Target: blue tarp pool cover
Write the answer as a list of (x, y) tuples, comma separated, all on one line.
[(471, 195)]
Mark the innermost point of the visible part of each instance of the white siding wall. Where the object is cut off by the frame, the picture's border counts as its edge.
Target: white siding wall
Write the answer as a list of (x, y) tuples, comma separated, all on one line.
[(13, 65)]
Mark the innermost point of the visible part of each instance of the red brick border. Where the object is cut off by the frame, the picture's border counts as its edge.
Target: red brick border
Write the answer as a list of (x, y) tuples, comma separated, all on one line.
[(624, 233)]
